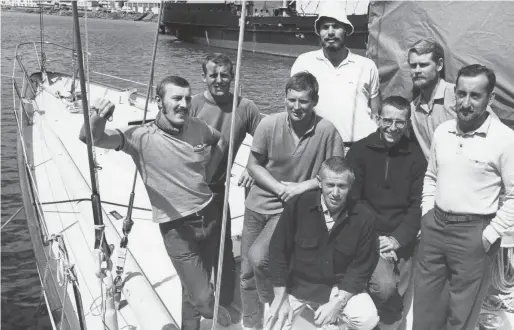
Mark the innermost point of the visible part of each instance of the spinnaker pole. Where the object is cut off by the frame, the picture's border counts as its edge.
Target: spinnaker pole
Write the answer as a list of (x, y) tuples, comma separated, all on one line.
[(102, 249), (242, 23)]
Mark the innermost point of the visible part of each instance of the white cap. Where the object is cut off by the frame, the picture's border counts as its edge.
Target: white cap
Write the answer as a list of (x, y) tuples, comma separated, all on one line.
[(333, 9)]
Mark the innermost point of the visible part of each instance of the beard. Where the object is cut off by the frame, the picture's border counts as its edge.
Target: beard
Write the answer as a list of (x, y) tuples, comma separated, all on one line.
[(333, 47)]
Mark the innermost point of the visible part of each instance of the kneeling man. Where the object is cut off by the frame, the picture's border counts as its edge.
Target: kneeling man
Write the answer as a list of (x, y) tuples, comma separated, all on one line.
[(322, 254)]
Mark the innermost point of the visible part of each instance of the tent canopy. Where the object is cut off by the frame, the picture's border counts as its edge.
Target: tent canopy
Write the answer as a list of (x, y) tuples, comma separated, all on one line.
[(469, 31)]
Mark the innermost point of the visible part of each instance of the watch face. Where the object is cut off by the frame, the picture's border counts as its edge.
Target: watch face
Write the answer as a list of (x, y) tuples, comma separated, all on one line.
[(489, 321)]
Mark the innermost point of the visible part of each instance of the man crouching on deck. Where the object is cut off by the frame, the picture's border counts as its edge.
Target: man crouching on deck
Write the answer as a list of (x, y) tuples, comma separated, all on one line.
[(171, 155), (322, 255)]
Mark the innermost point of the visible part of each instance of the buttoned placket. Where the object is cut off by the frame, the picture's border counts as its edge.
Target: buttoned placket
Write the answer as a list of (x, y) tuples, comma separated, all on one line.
[(305, 136)]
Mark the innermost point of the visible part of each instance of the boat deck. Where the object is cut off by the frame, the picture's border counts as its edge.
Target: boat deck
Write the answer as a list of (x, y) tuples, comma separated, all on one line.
[(60, 168)]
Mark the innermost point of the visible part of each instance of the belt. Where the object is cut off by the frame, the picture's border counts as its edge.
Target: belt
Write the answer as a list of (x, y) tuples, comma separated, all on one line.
[(462, 217)]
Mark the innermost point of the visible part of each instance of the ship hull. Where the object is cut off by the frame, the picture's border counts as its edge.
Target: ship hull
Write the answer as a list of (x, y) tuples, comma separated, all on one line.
[(217, 25), (251, 43)]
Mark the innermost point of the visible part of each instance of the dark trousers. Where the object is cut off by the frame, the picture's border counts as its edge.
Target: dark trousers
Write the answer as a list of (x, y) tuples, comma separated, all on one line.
[(192, 244), (388, 286), (451, 249)]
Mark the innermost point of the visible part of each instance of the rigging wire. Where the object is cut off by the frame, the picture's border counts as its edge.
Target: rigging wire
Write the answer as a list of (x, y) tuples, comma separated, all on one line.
[(229, 163), (128, 222), (42, 36)]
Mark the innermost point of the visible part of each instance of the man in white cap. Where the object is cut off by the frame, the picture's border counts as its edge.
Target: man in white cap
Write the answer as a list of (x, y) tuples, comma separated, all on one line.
[(349, 84)]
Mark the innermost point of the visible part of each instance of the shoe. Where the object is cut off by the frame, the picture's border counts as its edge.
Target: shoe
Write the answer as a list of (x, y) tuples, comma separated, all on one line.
[(228, 315)]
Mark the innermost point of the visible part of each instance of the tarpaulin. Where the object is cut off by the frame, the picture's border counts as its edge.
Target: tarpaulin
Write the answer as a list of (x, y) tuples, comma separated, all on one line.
[(469, 31)]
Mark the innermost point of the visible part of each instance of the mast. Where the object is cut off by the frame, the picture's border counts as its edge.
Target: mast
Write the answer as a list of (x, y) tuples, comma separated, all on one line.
[(102, 250)]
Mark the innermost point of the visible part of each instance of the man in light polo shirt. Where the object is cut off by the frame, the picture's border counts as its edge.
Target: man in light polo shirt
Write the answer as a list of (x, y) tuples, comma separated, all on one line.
[(171, 155), (287, 152), (349, 83), (471, 160)]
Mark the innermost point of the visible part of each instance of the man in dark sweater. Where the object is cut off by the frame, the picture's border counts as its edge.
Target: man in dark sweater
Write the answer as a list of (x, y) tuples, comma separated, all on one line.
[(389, 170), (322, 254)]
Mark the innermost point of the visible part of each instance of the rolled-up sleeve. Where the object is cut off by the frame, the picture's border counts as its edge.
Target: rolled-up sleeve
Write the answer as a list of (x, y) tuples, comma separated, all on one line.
[(356, 278)]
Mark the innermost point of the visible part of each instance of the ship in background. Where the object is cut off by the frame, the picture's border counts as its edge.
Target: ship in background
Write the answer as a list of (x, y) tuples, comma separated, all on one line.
[(284, 28)]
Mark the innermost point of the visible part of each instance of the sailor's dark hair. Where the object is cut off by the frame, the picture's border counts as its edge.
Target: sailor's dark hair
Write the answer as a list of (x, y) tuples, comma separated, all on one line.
[(474, 70), (338, 165), (171, 80), (218, 59), (429, 46), (398, 102), (304, 81)]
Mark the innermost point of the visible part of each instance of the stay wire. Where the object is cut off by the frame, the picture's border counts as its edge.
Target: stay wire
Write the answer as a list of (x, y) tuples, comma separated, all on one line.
[(242, 24)]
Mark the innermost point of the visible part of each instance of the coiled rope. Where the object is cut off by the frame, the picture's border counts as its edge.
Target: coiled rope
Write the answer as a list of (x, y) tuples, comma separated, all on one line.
[(502, 280)]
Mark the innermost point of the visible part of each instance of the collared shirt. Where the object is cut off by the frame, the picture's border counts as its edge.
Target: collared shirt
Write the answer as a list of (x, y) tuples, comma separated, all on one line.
[(289, 159), (427, 115), (467, 172), (329, 219), (344, 92)]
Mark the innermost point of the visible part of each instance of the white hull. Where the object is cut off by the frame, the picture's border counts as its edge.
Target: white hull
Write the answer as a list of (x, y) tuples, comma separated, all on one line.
[(59, 167)]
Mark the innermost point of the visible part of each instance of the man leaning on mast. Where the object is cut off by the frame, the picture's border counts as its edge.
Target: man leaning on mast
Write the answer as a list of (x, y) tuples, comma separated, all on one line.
[(471, 160), (349, 94), (171, 154), (214, 107), (322, 255)]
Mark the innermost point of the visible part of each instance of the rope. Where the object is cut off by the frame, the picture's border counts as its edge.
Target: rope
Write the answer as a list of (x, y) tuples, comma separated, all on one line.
[(11, 218), (89, 200), (502, 280), (229, 163)]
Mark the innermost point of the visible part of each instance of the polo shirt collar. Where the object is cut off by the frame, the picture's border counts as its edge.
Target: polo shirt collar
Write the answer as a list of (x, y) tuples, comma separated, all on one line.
[(439, 94), (312, 124), (320, 55), (481, 131), (375, 141)]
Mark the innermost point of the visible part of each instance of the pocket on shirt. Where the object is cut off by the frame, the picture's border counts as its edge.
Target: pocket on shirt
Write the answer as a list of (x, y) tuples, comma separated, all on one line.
[(478, 165), (308, 247), (201, 155)]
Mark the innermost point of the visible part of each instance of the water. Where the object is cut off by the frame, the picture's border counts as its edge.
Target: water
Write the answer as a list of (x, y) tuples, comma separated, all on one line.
[(120, 48)]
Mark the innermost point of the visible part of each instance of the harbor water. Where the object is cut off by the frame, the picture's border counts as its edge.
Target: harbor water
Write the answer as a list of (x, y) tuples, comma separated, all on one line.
[(120, 48)]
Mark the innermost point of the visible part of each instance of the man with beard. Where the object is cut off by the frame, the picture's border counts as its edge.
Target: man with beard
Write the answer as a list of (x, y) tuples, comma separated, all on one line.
[(287, 152), (171, 154), (389, 170), (322, 254), (214, 107), (471, 160), (348, 83)]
